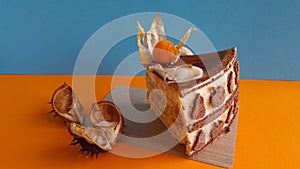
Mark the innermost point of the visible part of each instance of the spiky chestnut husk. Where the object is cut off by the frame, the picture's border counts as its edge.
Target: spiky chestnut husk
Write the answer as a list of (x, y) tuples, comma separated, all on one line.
[(66, 105), (102, 131), (92, 140), (90, 149), (95, 135)]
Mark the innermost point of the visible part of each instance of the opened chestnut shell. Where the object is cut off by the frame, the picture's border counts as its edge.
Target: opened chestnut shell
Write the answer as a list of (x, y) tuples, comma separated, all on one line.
[(66, 104), (97, 132)]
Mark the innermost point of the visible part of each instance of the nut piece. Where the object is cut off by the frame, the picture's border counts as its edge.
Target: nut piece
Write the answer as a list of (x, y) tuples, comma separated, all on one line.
[(217, 96), (198, 109)]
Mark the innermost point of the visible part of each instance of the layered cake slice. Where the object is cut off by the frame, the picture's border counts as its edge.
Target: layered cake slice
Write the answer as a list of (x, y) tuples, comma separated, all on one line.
[(198, 110), (195, 96)]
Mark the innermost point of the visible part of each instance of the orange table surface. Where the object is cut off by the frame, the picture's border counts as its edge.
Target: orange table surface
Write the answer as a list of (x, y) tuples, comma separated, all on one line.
[(268, 134)]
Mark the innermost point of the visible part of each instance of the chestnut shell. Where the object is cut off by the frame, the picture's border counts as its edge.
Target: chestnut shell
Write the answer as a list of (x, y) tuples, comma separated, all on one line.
[(97, 132)]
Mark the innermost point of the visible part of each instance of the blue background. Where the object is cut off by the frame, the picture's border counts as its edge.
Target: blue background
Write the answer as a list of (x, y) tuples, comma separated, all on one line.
[(45, 37)]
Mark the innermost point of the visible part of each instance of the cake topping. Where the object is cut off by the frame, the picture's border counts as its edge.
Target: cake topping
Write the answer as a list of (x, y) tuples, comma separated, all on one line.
[(164, 52), (180, 73), (185, 72), (198, 109), (217, 96), (155, 49), (166, 75)]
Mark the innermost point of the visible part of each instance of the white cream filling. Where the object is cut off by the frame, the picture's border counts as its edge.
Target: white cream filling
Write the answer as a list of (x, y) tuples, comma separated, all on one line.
[(206, 129), (185, 73)]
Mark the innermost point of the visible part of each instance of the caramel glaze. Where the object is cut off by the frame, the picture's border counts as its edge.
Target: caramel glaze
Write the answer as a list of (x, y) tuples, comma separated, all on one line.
[(210, 63)]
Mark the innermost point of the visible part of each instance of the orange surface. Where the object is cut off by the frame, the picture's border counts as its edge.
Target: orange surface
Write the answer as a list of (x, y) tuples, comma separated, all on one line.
[(267, 137)]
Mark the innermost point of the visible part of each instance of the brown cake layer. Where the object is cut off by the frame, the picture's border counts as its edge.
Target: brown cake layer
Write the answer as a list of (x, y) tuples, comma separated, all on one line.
[(158, 93)]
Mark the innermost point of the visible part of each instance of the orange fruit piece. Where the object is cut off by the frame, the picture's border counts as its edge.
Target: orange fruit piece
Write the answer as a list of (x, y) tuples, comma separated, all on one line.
[(164, 52)]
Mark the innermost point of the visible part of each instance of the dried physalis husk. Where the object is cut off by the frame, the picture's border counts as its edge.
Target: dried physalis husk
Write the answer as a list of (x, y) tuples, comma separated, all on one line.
[(66, 104), (147, 41), (144, 52), (180, 46), (155, 34), (167, 76)]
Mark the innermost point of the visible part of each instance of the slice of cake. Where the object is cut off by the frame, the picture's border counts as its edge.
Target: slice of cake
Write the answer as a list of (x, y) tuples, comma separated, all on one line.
[(197, 110), (195, 96)]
